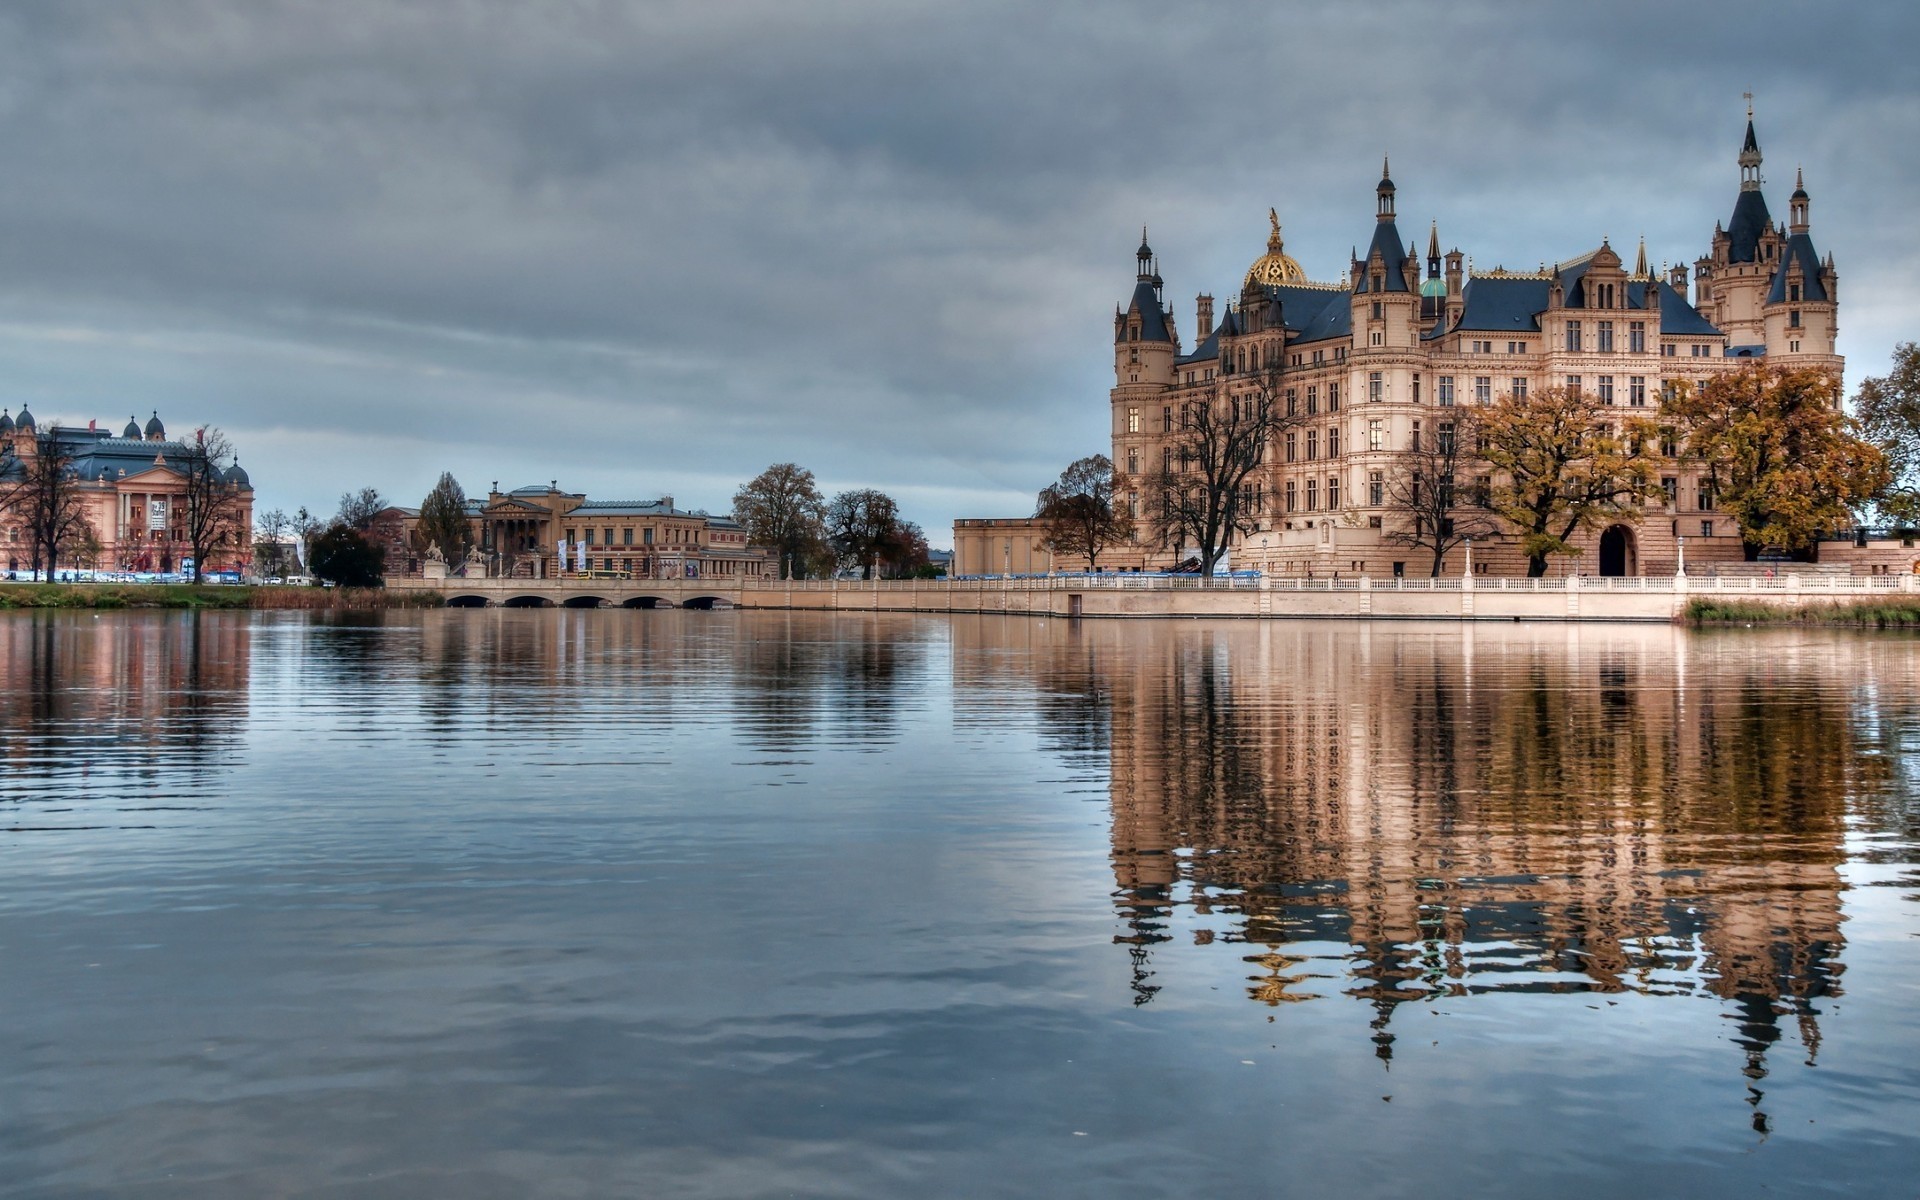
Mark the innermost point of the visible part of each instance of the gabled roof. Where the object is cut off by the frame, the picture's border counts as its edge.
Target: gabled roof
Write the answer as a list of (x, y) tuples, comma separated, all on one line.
[(1799, 250)]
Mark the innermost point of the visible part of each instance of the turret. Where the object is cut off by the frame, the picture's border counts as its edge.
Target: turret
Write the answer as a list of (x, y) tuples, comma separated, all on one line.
[(1732, 281), (1456, 288), (1144, 344), (1801, 308)]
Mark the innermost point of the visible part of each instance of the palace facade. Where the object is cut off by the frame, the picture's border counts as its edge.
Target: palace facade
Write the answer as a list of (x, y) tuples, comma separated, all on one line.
[(542, 532), (132, 496), (1370, 364)]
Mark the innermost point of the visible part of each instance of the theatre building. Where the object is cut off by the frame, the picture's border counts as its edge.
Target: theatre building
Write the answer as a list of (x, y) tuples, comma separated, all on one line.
[(132, 493)]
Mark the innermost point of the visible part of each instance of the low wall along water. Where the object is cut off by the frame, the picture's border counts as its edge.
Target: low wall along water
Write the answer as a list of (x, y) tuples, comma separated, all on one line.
[(1567, 598)]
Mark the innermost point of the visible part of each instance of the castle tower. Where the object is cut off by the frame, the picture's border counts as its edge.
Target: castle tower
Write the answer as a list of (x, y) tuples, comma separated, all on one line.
[(1801, 309), (1144, 342), (1386, 299), (1731, 282)]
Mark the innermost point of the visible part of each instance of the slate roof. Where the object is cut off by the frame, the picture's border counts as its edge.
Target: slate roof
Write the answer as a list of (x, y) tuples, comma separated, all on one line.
[(1750, 221), (1153, 318), (1514, 305), (1393, 252), (1799, 250)]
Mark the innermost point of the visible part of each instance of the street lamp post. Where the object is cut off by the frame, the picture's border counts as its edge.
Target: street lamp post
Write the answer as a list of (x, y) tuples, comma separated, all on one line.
[(1469, 543), (1680, 554)]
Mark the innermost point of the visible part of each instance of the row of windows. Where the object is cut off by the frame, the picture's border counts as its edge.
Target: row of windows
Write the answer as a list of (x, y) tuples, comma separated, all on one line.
[(1603, 336), (675, 535)]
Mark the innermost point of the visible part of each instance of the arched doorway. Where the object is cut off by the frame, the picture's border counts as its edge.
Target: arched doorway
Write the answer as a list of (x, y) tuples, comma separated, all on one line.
[(1617, 552)]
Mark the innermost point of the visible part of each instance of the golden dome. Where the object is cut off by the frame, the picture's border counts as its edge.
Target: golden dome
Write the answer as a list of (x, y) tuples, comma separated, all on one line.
[(1274, 266)]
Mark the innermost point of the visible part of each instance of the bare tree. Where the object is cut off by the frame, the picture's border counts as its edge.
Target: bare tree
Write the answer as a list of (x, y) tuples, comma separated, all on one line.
[(1203, 499), (1078, 510), (864, 526), (44, 491), (1422, 493), (781, 508), (271, 530), (358, 509), (215, 501)]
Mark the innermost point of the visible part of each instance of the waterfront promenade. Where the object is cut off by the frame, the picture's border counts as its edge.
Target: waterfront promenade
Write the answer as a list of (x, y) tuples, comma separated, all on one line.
[(1566, 598)]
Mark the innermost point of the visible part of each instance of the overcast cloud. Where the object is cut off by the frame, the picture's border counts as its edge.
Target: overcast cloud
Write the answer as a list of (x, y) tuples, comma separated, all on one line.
[(651, 248)]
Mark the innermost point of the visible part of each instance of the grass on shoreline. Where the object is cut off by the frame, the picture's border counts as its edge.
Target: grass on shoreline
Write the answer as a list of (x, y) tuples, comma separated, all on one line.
[(186, 595), (1891, 612)]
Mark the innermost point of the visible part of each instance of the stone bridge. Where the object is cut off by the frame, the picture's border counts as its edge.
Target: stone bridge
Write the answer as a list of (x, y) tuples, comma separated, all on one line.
[(580, 592)]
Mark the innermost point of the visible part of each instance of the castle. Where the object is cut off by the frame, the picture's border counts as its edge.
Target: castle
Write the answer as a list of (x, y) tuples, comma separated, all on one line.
[(1363, 364)]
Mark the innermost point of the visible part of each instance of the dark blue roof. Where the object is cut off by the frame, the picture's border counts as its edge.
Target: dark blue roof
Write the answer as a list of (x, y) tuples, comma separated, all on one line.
[(1153, 318), (1750, 221), (1386, 240), (1746, 351), (1799, 250), (1514, 305), (1493, 303), (1206, 351), (1317, 313), (1681, 319)]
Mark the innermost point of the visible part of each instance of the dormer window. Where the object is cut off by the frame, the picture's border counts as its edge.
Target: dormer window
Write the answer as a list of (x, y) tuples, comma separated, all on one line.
[(1793, 292)]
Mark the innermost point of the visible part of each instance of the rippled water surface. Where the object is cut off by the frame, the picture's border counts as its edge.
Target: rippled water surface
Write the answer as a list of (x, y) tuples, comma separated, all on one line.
[(586, 904)]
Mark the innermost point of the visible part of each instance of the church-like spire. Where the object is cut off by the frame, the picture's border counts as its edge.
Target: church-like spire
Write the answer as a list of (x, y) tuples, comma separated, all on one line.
[(1750, 154), (1384, 192), (1640, 263), (1797, 204), (1144, 256)]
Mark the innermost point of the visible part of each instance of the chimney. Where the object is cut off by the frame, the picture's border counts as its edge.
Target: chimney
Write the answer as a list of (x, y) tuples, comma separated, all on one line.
[(666, 502), (1203, 318)]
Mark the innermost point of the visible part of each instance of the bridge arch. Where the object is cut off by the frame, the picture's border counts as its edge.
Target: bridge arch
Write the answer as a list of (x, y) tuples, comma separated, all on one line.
[(646, 602), (706, 602), (466, 601), (583, 602), (524, 601)]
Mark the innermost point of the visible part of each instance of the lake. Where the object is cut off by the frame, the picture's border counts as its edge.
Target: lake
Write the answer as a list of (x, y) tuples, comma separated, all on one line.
[(486, 903)]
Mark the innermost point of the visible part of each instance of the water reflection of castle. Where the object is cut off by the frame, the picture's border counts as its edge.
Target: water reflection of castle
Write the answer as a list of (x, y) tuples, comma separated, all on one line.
[(1407, 814)]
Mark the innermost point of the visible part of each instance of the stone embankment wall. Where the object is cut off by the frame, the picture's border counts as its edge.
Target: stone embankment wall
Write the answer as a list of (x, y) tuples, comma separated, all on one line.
[(1633, 598)]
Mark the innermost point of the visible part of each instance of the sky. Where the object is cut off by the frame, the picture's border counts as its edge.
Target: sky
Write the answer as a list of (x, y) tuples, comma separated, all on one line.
[(648, 249)]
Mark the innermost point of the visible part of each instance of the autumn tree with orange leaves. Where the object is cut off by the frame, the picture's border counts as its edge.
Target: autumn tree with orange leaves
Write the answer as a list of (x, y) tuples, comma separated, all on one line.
[(1782, 456), (1564, 463)]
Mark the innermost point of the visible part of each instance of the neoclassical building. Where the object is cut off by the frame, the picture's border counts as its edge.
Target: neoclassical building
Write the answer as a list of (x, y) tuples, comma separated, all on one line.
[(540, 532), (1371, 363), (132, 494)]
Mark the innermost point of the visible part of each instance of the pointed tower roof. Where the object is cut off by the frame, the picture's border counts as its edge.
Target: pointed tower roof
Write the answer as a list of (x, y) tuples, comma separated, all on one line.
[(1640, 262), (1386, 240), (1751, 220)]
